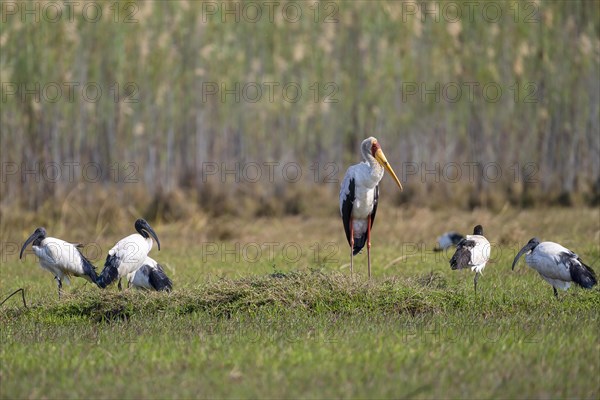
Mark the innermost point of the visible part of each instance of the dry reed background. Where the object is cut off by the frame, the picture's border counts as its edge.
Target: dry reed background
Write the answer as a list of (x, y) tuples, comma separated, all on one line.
[(151, 156)]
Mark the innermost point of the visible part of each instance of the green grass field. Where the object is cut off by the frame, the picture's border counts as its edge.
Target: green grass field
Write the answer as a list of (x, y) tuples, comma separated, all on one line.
[(270, 311)]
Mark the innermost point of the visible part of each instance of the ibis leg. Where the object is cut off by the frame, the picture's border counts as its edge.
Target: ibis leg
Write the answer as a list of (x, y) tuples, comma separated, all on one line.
[(119, 286), (555, 292), (369, 245), (351, 247), (475, 281), (59, 285)]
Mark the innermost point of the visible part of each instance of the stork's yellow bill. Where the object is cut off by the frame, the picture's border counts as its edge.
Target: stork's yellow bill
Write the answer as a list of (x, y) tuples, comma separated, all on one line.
[(380, 157)]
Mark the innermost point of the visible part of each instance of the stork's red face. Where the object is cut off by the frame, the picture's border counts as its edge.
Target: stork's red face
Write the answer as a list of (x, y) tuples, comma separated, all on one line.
[(374, 147)]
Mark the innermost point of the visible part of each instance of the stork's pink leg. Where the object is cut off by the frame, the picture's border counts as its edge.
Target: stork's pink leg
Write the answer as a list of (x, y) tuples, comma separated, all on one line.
[(369, 244)]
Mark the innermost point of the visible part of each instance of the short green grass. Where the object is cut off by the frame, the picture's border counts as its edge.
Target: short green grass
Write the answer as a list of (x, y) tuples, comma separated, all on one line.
[(280, 327)]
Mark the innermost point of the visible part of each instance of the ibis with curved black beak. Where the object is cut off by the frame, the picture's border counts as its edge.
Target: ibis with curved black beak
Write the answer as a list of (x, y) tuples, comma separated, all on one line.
[(359, 195), (128, 254), (62, 259), (558, 265)]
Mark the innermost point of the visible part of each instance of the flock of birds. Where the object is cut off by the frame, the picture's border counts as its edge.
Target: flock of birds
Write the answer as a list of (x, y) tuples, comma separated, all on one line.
[(127, 259), (359, 195), (556, 264)]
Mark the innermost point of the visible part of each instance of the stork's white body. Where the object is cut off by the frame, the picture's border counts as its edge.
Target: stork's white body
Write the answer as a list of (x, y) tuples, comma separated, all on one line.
[(60, 258), (131, 253), (366, 177), (480, 254), (546, 259)]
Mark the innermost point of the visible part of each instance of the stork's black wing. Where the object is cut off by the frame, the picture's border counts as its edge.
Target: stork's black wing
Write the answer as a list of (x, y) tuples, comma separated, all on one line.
[(462, 257), (347, 204), (375, 201)]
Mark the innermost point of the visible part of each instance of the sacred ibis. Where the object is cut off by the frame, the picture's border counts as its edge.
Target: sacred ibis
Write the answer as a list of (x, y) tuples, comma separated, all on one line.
[(128, 254), (150, 276), (447, 240), (359, 195), (61, 258), (558, 265), (472, 252)]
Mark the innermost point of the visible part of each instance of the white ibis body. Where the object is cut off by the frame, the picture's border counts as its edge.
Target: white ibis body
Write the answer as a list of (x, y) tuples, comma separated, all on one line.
[(150, 276), (128, 254), (558, 265), (359, 195), (447, 240), (60, 258), (472, 252)]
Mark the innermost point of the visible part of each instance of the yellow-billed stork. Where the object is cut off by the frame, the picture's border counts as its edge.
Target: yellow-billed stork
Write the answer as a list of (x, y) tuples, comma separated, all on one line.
[(472, 252), (150, 276), (558, 265), (60, 258), (128, 254), (359, 195)]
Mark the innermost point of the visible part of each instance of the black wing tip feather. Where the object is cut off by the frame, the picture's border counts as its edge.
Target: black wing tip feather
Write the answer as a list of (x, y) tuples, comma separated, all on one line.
[(359, 243), (159, 280), (582, 274), (109, 273), (88, 268)]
